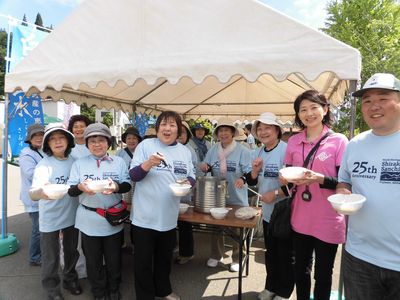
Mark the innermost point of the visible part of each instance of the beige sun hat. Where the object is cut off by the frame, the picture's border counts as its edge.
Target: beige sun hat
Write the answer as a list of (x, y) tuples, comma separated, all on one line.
[(266, 118), (242, 136), (186, 125), (224, 121)]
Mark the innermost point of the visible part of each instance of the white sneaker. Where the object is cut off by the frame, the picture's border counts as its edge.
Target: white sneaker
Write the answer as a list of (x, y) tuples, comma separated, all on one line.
[(234, 267), (212, 262), (266, 295), (172, 296)]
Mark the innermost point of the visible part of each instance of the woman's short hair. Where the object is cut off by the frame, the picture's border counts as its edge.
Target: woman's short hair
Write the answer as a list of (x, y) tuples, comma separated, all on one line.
[(169, 114), (316, 97), (77, 118)]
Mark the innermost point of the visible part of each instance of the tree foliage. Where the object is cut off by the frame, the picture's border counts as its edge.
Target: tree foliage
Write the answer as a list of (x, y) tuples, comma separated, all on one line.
[(39, 21), (89, 112), (3, 53), (373, 27)]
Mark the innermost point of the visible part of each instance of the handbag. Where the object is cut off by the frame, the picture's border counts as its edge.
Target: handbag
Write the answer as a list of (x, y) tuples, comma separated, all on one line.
[(279, 224), (115, 215)]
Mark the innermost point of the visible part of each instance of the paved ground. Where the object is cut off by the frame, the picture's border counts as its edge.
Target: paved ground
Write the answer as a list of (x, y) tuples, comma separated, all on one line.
[(19, 281)]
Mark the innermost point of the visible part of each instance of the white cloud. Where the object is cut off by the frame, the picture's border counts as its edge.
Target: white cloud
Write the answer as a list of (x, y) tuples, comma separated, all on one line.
[(311, 12)]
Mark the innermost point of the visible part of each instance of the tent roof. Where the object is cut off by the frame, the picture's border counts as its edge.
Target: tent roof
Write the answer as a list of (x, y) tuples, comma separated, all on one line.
[(200, 58)]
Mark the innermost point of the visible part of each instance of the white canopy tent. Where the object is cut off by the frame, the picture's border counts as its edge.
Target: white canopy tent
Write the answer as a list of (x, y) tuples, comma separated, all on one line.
[(200, 58)]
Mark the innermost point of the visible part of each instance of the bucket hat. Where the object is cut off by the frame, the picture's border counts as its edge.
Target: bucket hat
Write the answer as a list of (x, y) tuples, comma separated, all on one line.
[(266, 118), (97, 129), (131, 130), (52, 127), (379, 81), (242, 136), (200, 126), (186, 125), (33, 129), (224, 121)]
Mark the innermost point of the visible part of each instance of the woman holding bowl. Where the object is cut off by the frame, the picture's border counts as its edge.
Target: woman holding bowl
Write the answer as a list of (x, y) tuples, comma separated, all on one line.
[(157, 163), (316, 225)]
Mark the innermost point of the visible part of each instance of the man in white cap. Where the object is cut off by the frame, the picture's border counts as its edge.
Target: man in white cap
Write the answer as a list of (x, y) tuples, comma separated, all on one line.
[(371, 167)]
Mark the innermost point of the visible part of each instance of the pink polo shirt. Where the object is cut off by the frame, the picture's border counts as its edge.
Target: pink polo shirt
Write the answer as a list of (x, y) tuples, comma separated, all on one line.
[(317, 217)]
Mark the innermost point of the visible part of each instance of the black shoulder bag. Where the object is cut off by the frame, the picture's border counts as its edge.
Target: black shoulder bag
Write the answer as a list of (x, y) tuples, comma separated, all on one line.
[(279, 224)]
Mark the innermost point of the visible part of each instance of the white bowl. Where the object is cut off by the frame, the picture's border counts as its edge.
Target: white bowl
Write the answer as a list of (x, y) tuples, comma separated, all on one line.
[(183, 207), (219, 212), (292, 173), (55, 191), (346, 204), (179, 189), (245, 213), (98, 186)]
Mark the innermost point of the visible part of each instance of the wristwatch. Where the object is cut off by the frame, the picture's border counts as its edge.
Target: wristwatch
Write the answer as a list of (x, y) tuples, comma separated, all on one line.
[(276, 194)]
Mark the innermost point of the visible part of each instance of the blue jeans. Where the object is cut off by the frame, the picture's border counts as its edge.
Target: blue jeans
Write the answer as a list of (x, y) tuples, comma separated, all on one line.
[(365, 281), (34, 243)]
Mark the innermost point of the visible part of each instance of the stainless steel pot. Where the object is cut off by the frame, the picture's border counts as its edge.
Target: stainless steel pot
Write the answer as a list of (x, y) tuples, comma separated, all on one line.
[(210, 192)]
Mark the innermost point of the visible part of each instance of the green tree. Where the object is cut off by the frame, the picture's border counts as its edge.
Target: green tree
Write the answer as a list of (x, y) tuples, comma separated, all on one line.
[(89, 112), (108, 119), (3, 52), (24, 21), (39, 21), (373, 27)]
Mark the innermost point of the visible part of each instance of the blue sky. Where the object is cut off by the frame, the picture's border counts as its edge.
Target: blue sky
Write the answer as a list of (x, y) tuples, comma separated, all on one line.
[(310, 12)]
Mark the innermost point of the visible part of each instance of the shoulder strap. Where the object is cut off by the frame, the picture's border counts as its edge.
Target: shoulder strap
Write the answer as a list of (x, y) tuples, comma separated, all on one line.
[(315, 148), (129, 152)]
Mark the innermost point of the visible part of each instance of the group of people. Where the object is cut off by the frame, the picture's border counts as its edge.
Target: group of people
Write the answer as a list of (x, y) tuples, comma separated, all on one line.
[(369, 164)]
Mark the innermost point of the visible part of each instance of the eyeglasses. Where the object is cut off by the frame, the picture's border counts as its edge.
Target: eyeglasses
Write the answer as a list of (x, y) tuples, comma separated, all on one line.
[(95, 141)]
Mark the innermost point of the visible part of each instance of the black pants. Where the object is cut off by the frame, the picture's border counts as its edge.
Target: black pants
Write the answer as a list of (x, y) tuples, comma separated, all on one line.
[(304, 246), (186, 243), (106, 278), (50, 246), (152, 262), (279, 264)]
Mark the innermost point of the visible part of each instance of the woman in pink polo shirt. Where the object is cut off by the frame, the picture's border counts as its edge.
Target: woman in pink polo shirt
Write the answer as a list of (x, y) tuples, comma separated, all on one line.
[(316, 225)]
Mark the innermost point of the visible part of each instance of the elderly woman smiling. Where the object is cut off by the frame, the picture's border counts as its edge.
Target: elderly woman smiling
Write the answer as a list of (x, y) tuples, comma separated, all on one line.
[(230, 160)]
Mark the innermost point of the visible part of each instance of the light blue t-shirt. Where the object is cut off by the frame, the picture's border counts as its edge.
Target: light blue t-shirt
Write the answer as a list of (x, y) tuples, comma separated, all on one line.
[(188, 197), (268, 179), (80, 150), (125, 156), (238, 162), (371, 164), (55, 214), (87, 221), (156, 207), (28, 160)]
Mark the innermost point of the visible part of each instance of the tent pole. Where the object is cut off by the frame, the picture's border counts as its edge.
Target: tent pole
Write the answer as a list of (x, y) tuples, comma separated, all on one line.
[(8, 242), (353, 107)]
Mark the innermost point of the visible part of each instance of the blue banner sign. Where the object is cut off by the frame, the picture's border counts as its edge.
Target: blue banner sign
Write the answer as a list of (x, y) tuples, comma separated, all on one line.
[(22, 112)]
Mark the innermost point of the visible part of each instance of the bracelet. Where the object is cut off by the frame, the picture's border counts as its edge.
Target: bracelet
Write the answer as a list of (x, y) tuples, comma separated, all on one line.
[(244, 179)]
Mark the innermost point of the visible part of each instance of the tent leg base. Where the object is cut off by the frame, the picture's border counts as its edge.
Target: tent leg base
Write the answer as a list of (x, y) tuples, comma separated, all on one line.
[(8, 244)]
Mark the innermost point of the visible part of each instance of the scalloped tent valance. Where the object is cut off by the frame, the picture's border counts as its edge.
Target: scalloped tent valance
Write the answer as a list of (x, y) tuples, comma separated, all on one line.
[(200, 58)]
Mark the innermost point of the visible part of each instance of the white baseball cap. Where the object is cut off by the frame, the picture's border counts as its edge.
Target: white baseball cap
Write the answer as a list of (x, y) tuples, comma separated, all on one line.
[(379, 81)]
